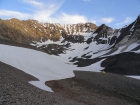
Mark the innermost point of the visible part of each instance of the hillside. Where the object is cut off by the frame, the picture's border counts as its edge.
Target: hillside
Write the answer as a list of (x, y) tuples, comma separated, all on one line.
[(27, 31)]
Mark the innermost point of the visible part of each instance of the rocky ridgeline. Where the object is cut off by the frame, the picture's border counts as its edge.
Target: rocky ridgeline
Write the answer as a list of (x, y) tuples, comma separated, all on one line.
[(119, 37), (26, 31), (32, 31)]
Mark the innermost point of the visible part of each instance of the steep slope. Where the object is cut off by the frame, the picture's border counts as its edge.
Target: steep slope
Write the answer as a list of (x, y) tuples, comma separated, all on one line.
[(27, 31), (118, 48)]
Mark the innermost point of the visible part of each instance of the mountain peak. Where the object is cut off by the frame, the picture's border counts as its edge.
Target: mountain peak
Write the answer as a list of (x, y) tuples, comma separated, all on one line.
[(138, 18), (139, 15), (137, 22), (103, 25), (102, 28)]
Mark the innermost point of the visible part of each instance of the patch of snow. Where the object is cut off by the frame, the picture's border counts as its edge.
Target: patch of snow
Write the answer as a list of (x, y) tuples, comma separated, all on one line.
[(35, 26), (25, 29), (118, 34), (45, 30), (39, 44), (95, 67), (118, 50), (132, 46), (133, 26), (137, 52), (136, 77), (41, 85), (44, 24), (40, 30)]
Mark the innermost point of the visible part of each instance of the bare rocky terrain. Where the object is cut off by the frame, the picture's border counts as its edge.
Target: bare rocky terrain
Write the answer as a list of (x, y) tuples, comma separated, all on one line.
[(86, 88)]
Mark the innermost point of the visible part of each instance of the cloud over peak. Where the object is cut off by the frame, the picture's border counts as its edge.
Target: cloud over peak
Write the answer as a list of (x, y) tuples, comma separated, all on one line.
[(71, 19), (107, 19)]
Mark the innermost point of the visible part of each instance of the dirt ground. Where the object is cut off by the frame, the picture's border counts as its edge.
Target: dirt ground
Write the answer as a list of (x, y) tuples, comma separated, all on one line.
[(86, 88)]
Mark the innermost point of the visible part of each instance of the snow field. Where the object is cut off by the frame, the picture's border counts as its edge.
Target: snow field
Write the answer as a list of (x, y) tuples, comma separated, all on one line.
[(40, 65)]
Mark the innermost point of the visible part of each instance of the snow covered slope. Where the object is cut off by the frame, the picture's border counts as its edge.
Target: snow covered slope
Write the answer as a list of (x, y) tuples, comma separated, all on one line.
[(105, 43), (38, 64)]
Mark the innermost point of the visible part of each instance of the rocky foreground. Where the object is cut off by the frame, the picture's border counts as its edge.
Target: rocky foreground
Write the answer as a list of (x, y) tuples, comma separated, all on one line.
[(86, 88)]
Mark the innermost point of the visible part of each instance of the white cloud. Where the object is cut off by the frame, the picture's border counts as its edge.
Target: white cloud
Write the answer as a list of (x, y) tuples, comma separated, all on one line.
[(45, 13), (46, 16), (33, 2), (127, 20), (42, 16), (107, 19), (69, 19), (15, 14)]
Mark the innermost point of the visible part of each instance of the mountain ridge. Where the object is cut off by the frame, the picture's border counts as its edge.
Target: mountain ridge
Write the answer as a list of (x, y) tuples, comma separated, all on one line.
[(26, 31)]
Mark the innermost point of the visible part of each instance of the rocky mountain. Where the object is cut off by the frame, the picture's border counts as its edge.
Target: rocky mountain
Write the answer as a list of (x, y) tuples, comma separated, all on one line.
[(119, 51), (27, 31), (116, 50)]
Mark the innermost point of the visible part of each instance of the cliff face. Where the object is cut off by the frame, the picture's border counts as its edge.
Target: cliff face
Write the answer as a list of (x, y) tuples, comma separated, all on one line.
[(27, 31)]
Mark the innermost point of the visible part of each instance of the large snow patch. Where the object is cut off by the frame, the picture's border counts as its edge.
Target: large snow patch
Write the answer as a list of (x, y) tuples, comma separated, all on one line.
[(40, 65)]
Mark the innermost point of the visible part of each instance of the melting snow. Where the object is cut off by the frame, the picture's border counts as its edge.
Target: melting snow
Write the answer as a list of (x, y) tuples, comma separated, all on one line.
[(40, 65), (136, 77)]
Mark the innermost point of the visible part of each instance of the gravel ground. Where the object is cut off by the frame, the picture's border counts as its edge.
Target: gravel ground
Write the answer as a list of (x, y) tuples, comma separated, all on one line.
[(86, 88)]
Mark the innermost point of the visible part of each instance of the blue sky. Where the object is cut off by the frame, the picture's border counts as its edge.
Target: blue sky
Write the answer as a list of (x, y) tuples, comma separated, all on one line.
[(114, 13)]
